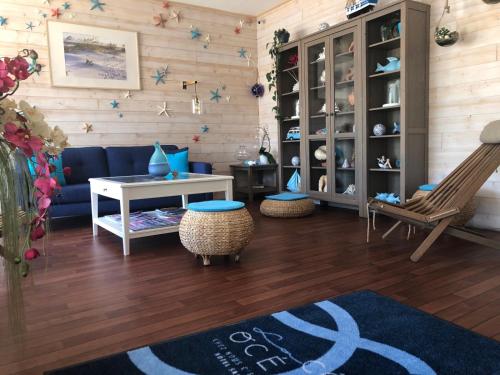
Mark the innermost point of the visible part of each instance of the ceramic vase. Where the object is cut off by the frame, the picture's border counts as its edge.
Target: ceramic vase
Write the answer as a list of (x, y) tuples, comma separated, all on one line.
[(263, 160), (158, 164), (379, 130)]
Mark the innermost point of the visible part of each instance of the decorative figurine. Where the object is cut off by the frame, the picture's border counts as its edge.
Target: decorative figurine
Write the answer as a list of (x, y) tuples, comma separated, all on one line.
[(396, 128), (293, 134), (297, 109), (323, 26), (323, 184), (322, 131), (392, 65), (351, 190), (348, 74), (384, 163), (295, 161), (388, 197), (323, 108), (293, 183), (336, 108), (320, 153), (354, 8), (393, 89), (351, 99), (321, 55), (346, 164), (322, 78), (379, 130)]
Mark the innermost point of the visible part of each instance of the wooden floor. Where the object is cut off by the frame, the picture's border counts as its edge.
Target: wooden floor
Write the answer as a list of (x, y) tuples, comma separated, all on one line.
[(85, 300)]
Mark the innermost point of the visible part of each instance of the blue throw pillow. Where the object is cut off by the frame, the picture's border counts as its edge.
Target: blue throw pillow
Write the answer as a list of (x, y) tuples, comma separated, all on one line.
[(178, 160), (58, 173)]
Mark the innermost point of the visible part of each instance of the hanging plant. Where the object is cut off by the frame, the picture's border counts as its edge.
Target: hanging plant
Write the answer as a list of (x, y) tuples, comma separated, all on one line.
[(446, 34), (278, 40)]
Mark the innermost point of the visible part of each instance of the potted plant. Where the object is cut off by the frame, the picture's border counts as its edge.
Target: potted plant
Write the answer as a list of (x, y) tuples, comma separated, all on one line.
[(280, 37), (25, 196)]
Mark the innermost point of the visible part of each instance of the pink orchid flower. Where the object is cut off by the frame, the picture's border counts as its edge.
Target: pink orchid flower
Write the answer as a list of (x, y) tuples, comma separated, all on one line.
[(31, 254), (22, 139), (6, 83), (37, 233), (18, 67)]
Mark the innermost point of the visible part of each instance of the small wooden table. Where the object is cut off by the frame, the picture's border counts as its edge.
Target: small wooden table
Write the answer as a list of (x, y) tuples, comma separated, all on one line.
[(255, 179)]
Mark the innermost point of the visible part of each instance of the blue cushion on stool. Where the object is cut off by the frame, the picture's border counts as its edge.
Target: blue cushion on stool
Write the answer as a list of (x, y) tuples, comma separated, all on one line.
[(287, 197), (428, 187), (216, 206)]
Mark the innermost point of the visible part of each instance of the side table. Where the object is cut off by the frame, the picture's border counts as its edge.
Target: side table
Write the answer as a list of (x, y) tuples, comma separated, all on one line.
[(255, 179)]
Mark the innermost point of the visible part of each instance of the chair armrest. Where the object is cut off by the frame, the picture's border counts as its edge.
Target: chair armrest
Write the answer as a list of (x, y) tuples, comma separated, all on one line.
[(200, 167)]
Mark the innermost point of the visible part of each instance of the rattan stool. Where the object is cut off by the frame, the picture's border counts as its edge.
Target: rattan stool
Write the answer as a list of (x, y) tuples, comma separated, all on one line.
[(287, 205), (216, 228)]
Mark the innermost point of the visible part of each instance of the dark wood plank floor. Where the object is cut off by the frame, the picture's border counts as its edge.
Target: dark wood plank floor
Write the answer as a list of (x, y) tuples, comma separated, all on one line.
[(86, 300)]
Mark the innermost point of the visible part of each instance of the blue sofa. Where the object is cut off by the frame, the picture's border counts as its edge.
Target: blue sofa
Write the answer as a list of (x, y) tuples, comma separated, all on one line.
[(89, 162)]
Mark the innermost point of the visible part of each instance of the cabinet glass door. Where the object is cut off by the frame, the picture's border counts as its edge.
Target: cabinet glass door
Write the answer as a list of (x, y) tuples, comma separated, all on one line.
[(344, 116), (318, 109)]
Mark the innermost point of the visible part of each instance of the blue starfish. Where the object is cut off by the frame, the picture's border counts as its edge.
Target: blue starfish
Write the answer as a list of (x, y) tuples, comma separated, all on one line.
[(3, 21), (114, 104), (195, 33), (204, 129), (29, 26), (159, 77), (215, 95), (66, 5), (96, 4), (243, 53)]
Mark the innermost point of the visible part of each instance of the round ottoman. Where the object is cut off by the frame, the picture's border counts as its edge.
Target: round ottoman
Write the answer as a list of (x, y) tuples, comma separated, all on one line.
[(216, 228), (287, 205)]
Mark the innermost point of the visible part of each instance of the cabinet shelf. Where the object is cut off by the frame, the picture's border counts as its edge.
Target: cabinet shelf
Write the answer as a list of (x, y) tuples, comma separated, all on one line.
[(387, 75), (317, 62), (345, 135), (388, 108), (290, 93), (317, 87), (288, 119), (291, 166), (290, 69), (345, 169), (347, 113), (388, 136), (387, 170), (318, 116), (344, 83), (291, 141), (318, 167), (387, 44), (317, 137)]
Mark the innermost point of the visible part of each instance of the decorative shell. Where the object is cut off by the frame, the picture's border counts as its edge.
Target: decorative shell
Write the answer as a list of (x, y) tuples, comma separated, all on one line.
[(320, 153)]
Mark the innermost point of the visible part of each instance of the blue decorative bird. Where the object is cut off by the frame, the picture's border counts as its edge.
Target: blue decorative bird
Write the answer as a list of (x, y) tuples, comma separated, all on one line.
[(215, 95), (195, 33), (3, 21), (96, 4), (393, 64), (243, 53), (114, 104), (159, 77)]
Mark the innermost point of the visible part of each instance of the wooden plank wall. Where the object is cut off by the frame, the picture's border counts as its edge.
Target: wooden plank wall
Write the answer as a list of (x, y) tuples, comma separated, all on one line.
[(464, 82), (230, 123)]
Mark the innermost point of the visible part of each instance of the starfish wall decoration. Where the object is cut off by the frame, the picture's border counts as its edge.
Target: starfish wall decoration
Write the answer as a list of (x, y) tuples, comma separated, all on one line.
[(114, 104), (165, 71), (127, 95), (30, 26), (97, 4), (208, 40), (159, 20), (164, 110), (55, 12), (87, 127), (159, 77), (204, 129), (166, 4), (196, 138), (243, 53), (66, 5), (237, 30), (46, 2), (175, 15), (3, 21), (215, 95), (195, 33)]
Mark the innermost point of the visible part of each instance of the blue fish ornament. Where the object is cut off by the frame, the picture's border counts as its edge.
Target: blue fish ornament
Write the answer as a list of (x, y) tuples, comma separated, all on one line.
[(393, 64)]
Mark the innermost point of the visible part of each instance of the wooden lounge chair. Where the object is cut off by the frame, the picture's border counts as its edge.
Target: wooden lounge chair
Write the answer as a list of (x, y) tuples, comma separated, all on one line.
[(438, 209)]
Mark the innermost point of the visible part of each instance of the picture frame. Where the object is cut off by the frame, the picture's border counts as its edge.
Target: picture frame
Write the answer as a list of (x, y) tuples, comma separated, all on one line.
[(84, 56)]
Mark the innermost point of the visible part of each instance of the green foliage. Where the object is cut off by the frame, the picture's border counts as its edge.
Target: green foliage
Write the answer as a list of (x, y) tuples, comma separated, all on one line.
[(442, 32), (271, 76)]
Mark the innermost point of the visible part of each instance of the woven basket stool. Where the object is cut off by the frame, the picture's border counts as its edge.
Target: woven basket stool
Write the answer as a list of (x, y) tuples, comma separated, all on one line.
[(463, 217), (216, 228), (287, 205)]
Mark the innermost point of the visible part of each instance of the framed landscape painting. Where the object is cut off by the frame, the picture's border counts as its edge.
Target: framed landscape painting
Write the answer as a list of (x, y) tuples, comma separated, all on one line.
[(93, 57)]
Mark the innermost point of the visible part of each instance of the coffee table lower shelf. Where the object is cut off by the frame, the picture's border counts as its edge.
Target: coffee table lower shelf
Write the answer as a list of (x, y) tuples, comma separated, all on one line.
[(116, 228)]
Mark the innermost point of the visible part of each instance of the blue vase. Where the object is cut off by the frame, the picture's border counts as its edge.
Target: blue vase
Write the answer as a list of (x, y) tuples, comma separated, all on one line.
[(158, 164)]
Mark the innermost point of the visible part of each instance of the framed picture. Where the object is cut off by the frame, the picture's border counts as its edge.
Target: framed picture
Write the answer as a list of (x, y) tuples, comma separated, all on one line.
[(93, 57)]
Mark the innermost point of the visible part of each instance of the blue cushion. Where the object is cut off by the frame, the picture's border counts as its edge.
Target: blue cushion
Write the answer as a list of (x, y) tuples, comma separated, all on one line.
[(428, 187), (85, 163), (128, 161), (216, 206), (57, 163), (287, 197), (178, 160)]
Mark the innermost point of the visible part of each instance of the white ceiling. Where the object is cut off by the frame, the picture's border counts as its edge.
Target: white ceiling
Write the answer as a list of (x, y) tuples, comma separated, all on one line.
[(248, 7)]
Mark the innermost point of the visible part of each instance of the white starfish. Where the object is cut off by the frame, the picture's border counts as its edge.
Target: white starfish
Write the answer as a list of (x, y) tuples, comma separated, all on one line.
[(175, 14), (127, 95), (228, 98), (242, 22), (87, 127), (164, 111), (208, 39), (249, 59), (165, 71), (46, 2)]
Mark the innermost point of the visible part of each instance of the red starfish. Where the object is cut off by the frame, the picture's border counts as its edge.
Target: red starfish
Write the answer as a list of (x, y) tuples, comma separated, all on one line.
[(159, 20), (237, 30), (55, 12), (196, 138), (166, 4)]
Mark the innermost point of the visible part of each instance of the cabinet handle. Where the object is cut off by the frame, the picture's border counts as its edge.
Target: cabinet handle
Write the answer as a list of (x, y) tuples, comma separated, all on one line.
[(327, 114)]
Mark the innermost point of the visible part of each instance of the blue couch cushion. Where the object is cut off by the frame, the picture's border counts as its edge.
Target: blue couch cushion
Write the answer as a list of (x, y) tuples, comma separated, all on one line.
[(216, 206), (85, 163), (76, 193), (128, 161)]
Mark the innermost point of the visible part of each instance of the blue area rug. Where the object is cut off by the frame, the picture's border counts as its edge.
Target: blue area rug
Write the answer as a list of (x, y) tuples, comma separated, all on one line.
[(359, 333)]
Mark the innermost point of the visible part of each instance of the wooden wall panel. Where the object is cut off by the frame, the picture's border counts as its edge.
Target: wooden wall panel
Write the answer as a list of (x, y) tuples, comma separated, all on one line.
[(464, 82), (231, 123)]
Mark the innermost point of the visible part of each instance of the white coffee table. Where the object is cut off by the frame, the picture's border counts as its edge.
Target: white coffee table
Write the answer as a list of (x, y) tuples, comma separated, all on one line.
[(128, 188)]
